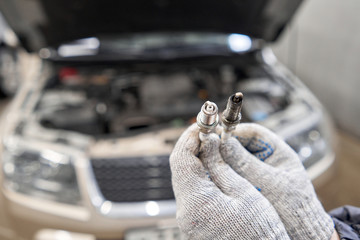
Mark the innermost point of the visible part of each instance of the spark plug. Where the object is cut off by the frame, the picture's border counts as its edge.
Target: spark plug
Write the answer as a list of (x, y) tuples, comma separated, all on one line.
[(232, 114), (207, 119)]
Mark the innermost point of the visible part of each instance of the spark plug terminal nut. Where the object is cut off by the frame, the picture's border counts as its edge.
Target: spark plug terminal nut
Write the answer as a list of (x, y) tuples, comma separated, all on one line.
[(208, 118), (232, 115)]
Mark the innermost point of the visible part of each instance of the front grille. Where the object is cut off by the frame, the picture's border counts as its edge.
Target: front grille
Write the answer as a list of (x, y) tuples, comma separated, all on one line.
[(134, 179)]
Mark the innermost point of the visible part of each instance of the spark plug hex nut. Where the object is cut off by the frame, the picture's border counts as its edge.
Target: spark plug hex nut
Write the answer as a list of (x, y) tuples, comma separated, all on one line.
[(208, 117)]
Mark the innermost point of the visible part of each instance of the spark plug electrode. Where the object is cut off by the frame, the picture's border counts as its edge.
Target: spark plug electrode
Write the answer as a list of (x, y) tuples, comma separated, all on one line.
[(232, 114)]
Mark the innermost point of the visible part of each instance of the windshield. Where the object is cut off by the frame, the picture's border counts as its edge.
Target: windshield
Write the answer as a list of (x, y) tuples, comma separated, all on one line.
[(157, 45)]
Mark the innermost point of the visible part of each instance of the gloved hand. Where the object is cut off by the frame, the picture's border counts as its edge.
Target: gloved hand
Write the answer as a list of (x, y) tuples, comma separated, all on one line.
[(228, 207), (275, 168)]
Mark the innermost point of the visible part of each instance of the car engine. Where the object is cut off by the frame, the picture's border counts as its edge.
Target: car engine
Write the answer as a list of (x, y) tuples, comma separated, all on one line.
[(109, 102)]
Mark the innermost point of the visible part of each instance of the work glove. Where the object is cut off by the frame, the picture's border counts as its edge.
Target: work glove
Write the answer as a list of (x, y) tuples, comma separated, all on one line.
[(268, 163), (217, 207)]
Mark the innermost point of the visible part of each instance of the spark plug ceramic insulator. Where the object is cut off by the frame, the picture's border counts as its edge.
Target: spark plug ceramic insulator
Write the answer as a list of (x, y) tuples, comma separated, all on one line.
[(207, 119), (232, 114)]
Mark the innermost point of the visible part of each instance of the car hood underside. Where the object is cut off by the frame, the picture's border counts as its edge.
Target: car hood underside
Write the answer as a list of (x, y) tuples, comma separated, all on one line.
[(41, 23)]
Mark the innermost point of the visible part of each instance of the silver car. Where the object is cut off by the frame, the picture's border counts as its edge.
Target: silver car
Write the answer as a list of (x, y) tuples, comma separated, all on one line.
[(86, 140)]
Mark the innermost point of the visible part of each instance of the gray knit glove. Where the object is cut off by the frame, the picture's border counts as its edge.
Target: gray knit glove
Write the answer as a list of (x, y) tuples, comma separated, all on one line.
[(271, 165), (228, 207)]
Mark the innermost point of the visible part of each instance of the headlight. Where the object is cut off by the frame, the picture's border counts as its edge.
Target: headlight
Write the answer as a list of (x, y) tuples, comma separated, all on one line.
[(311, 145), (45, 174)]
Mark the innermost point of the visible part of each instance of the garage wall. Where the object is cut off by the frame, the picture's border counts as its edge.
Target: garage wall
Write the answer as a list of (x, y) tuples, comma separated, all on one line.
[(322, 46)]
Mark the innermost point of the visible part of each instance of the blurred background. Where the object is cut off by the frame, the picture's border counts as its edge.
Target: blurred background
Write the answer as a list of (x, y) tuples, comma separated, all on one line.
[(88, 124), (321, 47)]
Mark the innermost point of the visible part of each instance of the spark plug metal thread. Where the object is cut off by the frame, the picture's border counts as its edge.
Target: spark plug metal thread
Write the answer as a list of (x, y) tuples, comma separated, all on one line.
[(207, 119), (232, 114)]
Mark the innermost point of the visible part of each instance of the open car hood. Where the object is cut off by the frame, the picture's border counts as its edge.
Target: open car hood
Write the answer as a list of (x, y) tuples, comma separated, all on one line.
[(44, 23)]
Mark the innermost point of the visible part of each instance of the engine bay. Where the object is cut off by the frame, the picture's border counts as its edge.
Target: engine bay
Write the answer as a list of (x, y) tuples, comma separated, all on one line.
[(108, 101)]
